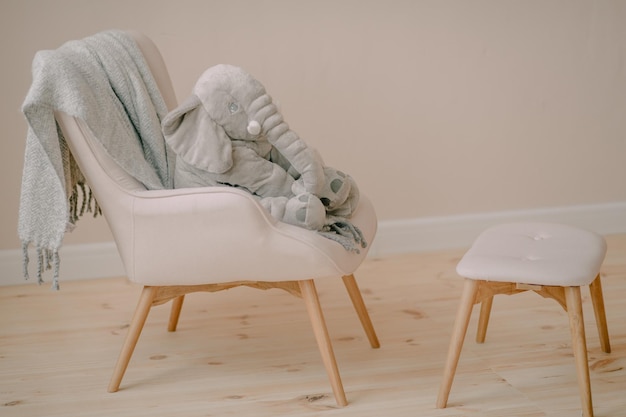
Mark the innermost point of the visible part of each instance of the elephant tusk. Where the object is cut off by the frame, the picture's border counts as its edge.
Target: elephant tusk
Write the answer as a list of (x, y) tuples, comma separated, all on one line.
[(254, 128)]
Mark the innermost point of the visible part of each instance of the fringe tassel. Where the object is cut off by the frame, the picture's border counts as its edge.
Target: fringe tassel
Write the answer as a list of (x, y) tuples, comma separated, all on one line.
[(84, 205), (40, 263), (25, 260), (72, 203), (57, 264)]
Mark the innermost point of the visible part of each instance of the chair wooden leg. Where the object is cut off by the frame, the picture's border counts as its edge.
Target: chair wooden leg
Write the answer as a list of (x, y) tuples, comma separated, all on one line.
[(579, 345), (598, 308), (361, 310), (136, 325), (483, 320), (311, 300), (177, 305), (458, 336)]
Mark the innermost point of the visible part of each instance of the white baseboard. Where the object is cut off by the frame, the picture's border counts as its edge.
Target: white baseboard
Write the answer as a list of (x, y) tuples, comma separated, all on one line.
[(101, 260), (451, 232)]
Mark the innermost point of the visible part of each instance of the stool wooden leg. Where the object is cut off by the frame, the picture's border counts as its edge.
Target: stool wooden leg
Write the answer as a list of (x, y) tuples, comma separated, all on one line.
[(458, 336), (598, 308), (483, 320), (579, 345)]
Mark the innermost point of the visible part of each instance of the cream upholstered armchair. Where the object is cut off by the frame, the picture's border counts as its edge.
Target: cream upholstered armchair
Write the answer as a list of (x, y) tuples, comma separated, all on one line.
[(177, 241)]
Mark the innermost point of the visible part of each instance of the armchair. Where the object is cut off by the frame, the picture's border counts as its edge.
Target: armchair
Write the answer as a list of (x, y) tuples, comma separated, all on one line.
[(178, 241)]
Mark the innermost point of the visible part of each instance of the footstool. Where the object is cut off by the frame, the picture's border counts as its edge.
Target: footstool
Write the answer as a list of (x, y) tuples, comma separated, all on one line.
[(553, 260)]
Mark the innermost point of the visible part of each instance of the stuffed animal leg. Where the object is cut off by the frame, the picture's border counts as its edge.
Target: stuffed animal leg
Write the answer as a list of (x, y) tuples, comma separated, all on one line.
[(303, 210), (339, 193)]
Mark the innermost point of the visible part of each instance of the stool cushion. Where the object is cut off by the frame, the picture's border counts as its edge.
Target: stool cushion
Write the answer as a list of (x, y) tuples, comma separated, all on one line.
[(535, 253)]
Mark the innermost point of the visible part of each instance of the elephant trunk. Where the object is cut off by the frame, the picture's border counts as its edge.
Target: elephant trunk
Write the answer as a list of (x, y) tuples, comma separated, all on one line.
[(304, 159)]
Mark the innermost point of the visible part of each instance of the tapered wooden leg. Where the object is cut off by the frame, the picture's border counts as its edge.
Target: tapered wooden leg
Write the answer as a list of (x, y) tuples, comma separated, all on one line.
[(579, 345), (309, 294), (597, 299), (483, 320), (458, 336), (361, 310), (136, 325), (177, 305)]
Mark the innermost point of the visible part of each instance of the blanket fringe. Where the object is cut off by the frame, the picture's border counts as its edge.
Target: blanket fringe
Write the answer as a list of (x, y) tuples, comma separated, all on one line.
[(345, 233), (89, 204), (49, 258), (46, 259), (75, 181)]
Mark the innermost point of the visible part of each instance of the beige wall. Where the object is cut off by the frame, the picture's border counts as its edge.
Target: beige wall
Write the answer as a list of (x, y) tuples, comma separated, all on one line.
[(435, 107)]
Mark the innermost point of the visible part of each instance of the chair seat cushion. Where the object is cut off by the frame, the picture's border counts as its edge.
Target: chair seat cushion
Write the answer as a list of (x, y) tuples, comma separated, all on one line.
[(535, 253)]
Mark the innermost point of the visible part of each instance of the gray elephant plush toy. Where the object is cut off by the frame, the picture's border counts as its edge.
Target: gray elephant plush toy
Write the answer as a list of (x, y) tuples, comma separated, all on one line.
[(230, 133)]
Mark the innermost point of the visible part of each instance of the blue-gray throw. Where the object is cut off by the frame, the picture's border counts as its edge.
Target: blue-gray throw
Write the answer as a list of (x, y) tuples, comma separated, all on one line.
[(104, 81)]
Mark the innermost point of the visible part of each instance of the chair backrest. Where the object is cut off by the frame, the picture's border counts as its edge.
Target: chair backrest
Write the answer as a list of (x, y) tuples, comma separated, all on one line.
[(111, 185), (157, 67)]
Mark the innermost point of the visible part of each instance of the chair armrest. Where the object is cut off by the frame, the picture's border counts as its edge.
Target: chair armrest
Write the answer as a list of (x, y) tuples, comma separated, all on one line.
[(219, 234)]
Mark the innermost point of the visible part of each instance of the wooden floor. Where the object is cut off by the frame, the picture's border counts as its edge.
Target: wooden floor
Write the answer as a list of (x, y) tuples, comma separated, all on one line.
[(247, 352)]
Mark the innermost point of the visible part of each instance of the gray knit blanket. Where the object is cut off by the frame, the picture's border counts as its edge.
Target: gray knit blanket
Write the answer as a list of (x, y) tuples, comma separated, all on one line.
[(104, 81)]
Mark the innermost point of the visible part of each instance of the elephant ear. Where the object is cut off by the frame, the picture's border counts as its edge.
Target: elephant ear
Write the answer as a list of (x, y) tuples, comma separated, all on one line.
[(196, 138)]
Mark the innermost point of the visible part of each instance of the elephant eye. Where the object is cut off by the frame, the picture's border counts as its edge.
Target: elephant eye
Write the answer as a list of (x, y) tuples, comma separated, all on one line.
[(233, 107)]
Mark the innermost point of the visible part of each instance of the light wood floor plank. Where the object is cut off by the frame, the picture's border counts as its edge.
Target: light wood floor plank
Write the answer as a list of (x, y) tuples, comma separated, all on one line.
[(246, 352)]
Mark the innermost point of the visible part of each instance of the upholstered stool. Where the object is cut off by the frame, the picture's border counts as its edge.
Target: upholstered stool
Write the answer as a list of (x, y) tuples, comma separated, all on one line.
[(554, 260)]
